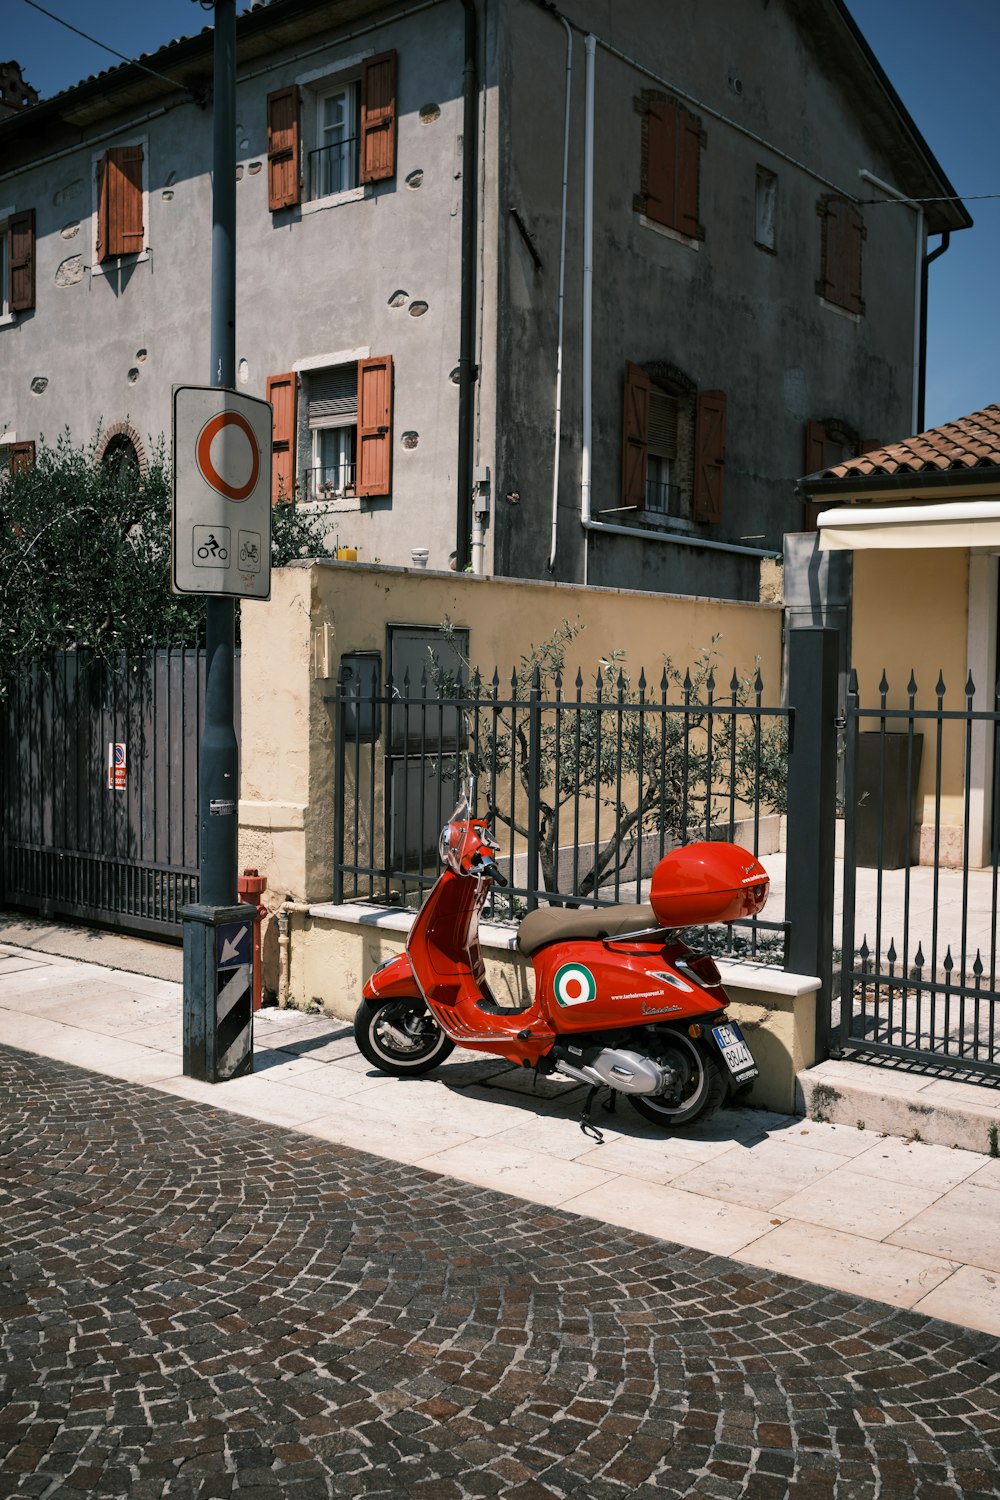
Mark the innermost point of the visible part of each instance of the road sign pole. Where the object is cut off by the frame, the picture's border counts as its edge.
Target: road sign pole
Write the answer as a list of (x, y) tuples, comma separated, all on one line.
[(212, 1050)]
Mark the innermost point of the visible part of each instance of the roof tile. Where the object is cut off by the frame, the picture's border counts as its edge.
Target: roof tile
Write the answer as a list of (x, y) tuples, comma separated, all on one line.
[(971, 442)]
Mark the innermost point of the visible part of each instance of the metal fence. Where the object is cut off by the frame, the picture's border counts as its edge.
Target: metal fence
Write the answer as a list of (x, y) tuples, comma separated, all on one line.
[(587, 785), (75, 843), (922, 790)]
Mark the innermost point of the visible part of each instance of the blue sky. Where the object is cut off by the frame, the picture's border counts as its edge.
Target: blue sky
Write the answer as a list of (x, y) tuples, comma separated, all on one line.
[(941, 59)]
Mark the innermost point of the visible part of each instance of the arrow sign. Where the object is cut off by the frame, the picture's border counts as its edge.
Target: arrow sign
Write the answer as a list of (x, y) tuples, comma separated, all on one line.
[(231, 947), (234, 944)]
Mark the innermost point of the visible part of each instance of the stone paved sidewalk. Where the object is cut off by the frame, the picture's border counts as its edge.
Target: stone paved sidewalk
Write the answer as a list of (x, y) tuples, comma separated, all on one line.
[(199, 1305)]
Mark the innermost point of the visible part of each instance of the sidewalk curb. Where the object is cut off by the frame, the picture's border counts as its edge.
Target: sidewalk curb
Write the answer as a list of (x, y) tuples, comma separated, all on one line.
[(903, 1104)]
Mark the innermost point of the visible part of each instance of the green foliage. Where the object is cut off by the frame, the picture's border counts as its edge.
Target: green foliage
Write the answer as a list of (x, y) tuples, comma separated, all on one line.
[(85, 557), (657, 759)]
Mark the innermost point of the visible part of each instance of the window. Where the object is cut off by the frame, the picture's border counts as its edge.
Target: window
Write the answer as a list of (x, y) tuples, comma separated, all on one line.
[(765, 210), (331, 436), (120, 195), (339, 436), (843, 232), (16, 456), (17, 262), (348, 121), (671, 149), (333, 164), (673, 449), (828, 443)]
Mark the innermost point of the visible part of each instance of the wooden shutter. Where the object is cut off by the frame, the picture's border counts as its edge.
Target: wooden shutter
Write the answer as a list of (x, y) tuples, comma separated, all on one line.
[(709, 456), (842, 236), (815, 450), (283, 148), (378, 118), (22, 456), (21, 238), (635, 436), (375, 426), (119, 210), (688, 159), (281, 392), (673, 140)]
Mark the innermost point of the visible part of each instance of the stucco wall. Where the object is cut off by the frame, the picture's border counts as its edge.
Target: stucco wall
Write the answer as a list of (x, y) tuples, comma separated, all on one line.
[(910, 613), (293, 644)]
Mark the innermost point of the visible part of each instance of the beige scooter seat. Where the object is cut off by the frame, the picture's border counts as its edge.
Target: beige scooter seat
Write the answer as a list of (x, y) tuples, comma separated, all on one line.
[(553, 924)]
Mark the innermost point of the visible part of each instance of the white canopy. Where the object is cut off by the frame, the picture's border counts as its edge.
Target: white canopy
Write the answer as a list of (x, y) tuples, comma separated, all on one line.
[(950, 523)]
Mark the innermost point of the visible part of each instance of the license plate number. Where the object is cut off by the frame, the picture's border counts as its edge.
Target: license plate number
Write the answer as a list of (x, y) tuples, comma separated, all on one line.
[(735, 1052)]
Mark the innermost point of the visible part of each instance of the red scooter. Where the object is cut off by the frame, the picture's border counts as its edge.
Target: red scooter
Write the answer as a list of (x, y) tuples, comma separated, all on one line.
[(619, 1001)]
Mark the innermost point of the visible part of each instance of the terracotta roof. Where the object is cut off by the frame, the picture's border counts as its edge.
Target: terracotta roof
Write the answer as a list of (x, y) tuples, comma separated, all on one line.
[(971, 442)]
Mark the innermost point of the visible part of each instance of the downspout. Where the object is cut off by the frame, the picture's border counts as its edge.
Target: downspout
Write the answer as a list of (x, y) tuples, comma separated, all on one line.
[(467, 372), (918, 309), (922, 385), (588, 296), (562, 298)]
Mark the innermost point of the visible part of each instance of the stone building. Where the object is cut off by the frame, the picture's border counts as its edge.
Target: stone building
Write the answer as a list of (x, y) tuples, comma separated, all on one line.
[(575, 290)]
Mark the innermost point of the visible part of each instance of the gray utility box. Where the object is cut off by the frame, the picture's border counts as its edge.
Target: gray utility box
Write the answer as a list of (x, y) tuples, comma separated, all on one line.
[(882, 806)]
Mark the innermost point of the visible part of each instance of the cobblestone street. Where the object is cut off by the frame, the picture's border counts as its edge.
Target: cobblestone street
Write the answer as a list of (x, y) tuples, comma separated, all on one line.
[(198, 1305)]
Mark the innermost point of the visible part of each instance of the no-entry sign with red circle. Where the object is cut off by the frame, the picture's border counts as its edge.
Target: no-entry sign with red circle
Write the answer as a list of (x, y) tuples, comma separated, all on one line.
[(221, 542)]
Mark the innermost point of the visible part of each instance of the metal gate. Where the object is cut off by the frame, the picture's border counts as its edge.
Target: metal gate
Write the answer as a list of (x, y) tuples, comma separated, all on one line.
[(81, 836), (920, 974)]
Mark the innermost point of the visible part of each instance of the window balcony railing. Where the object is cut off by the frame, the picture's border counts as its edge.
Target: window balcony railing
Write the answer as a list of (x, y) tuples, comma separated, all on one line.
[(332, 481), (663, 501), (333, 169)]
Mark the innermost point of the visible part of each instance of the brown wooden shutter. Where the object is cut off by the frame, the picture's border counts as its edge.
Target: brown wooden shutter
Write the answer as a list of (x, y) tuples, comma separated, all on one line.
[(815, 450), (378, 118), (281, 392), (688, 160), (283, 148), (119, 210), (21, 230), (709, 455), (673, 140), (22, 456), (661, 140), (842, 237), (635, 436), (868, 445), (375, 426)]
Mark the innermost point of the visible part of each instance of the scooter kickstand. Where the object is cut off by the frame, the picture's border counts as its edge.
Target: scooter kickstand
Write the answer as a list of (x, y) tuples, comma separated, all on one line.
[(586, 1126)]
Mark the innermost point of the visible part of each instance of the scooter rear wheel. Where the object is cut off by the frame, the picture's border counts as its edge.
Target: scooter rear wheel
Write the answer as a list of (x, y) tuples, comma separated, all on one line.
[(400, 1037), (701, 1091)]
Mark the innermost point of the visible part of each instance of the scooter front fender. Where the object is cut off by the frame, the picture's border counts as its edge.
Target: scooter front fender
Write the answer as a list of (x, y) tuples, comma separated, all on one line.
[(392, 980)]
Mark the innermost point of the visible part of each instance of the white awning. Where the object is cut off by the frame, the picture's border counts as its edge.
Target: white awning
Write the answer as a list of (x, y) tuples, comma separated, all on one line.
[(950, 523)]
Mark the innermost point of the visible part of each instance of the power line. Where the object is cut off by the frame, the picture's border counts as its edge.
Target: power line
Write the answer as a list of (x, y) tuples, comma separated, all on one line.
[(103, 45), (957, 198)]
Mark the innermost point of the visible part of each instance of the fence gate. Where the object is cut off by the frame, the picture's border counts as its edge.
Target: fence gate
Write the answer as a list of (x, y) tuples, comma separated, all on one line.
[(100, 789), (920, 976)]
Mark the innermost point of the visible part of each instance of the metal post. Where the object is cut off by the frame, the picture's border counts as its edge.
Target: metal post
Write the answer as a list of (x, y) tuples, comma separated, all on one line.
[(534, 782), (813, 656), (218, 1019)]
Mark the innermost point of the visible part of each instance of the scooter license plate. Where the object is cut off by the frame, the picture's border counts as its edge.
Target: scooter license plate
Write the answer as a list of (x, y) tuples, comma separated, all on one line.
[(735, 1052)]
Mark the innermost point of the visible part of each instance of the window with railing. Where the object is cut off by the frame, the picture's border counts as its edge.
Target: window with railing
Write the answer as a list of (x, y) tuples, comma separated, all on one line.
[(329, 442), (333, 164)]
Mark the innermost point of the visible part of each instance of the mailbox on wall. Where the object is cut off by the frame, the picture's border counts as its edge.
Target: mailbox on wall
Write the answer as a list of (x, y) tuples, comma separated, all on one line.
[(360, 673)]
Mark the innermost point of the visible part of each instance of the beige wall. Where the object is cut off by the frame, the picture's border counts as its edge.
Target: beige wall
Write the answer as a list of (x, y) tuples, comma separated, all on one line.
[(911, 613), (292, 647)]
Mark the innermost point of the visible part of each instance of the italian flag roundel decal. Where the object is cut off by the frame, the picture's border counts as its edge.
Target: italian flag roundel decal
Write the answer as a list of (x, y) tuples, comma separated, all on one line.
[(574, 985)]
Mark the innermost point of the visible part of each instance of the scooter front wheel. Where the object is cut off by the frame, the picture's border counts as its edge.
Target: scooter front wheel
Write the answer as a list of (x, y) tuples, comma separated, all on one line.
[(400, 1037), (699, 1089)]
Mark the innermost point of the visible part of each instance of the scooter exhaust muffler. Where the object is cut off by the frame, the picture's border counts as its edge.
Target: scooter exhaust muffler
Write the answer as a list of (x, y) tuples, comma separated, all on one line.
[(613, 1067)]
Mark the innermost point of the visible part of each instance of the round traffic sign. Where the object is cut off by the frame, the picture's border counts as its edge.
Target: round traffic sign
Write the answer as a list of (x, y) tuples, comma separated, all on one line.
[(207, 467)]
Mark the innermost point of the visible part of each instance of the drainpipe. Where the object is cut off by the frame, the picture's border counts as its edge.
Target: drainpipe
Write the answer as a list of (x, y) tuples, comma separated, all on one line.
[(562, 298), (588, 295), (918, 338), (467, 372), (922, 382)]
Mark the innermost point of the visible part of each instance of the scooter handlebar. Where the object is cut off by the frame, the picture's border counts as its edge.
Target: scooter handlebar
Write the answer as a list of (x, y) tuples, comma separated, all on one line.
[(486, 865)]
